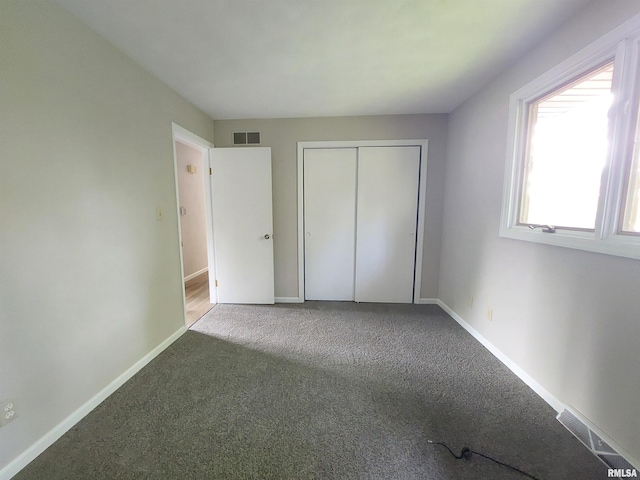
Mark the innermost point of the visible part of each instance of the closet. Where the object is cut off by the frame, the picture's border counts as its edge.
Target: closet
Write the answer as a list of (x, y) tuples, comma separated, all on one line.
[(361, 223)]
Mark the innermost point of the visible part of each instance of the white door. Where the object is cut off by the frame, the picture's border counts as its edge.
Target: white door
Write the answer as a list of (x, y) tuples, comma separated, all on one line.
[(387, 214), (242, 224), (330, 223)]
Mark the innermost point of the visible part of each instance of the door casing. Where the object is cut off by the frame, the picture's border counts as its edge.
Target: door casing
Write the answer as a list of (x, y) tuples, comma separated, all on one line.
[(199, 143)]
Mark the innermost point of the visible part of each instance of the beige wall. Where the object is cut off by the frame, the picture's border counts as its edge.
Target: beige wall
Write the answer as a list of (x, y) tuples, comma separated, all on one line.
[(282, 136), (90, 280), (192, 224), (568, 318)]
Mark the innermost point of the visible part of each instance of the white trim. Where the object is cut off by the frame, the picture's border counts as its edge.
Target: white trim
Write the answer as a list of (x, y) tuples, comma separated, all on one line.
[(190, 138), (195, 274), (556, 404), (56, 432), (183, 135), (208, 207), (415, 142), (288, 300), (422, 143), (428, 301), (300, 190)]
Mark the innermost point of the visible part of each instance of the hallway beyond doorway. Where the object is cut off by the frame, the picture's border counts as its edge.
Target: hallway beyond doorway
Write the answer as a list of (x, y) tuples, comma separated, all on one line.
[(197, 297)]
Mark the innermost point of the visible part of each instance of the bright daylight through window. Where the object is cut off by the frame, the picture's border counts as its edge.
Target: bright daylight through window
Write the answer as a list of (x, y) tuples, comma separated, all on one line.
[(572, 174), (566, 152)]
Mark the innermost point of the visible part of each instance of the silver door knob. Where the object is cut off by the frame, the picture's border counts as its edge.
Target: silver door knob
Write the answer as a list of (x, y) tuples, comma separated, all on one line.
[(267, 237)]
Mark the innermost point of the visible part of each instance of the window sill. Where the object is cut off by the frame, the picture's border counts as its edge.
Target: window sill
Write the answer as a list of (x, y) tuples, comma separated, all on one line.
[(618, 245)]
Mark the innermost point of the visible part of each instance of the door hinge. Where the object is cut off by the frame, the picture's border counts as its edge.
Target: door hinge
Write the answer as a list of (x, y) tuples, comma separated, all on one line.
[(216, 283), (210, 172)]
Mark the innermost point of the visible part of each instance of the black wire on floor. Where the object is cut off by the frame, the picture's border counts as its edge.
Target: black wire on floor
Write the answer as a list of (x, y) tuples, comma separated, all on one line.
[(466, 453)]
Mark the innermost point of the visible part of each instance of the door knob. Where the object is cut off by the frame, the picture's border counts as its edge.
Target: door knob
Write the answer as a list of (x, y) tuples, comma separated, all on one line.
[(267, 237)]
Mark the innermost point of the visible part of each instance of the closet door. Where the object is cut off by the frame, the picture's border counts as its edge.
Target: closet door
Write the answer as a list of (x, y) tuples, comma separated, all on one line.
[(329, 223), (388, 182)]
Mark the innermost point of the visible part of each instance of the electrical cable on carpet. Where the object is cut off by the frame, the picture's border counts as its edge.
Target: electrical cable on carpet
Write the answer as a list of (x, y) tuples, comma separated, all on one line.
[(466, 453)]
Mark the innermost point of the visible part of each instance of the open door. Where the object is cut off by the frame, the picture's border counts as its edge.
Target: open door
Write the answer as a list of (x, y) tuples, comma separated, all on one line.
[(243, 224)]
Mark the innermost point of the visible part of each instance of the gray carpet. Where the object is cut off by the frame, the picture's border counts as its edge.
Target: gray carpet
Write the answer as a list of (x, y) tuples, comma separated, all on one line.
[(320, 390)]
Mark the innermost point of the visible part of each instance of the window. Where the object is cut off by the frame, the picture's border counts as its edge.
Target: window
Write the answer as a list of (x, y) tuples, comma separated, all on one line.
[(573, 163), (566, 152)]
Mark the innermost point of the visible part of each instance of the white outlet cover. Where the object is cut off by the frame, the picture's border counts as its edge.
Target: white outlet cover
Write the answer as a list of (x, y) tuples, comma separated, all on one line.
[(9, 412)]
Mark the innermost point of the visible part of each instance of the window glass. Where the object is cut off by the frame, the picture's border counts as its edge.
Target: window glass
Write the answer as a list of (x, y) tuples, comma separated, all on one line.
[(631, 216), (565, 152)]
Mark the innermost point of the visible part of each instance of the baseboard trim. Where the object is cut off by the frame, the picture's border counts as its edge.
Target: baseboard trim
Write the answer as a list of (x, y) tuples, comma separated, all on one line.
[(427, 301), (556, 404), (195, 274), (289, 300), (424, 301), (56, 432)]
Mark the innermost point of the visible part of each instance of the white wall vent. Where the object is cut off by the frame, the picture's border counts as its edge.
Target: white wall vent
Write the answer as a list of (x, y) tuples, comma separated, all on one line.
[(246, 138), (592, 440)]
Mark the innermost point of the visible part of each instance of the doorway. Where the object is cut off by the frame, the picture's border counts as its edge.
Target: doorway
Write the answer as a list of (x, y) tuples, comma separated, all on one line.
[(191, 162)]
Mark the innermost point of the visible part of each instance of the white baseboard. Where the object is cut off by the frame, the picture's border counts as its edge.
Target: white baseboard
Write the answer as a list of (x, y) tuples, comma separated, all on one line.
[(428, 301), (289, 300), (195, 274), (556, 404), (56, 432)]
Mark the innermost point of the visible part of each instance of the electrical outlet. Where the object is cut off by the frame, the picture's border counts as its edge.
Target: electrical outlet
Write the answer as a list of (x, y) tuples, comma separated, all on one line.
[(489, 313), (8, 412), (159, 214), (471, 301)]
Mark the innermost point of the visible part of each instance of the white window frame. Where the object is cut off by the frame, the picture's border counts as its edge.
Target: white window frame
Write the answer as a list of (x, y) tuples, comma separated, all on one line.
[(622, 45)]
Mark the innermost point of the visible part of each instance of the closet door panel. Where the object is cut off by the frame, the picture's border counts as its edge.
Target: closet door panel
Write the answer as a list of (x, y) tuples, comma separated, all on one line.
[(329, 222), (387, 211)]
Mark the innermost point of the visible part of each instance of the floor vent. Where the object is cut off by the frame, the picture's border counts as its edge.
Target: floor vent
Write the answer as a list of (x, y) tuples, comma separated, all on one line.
[(246, 138), (592, 440)]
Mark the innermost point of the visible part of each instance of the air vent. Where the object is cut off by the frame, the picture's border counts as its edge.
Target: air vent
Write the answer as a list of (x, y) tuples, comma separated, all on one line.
[(246, 138), (240, 138), (592, 441)]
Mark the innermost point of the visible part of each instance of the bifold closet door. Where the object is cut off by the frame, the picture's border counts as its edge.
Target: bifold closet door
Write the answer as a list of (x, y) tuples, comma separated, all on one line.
[(387, 213), (329, 223)]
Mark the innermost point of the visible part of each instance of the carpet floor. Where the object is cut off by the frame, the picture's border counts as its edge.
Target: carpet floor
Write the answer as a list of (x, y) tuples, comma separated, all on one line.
[(320, 390)]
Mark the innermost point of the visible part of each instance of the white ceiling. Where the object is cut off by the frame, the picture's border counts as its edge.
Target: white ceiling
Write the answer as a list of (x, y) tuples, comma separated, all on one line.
[(310, 58)]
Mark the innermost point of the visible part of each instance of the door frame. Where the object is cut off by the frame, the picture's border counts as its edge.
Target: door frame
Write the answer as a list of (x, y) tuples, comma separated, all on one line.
[(183, 135), (422, 193)]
